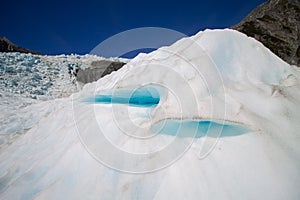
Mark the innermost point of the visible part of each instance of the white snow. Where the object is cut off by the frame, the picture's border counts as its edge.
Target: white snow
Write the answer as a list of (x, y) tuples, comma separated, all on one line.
[(71, 149)]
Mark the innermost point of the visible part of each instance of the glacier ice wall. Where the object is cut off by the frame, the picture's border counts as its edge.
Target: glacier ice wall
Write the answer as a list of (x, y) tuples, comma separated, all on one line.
[(79, 150)]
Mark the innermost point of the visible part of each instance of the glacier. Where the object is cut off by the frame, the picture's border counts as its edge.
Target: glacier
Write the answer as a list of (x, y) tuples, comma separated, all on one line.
[(225, 127)]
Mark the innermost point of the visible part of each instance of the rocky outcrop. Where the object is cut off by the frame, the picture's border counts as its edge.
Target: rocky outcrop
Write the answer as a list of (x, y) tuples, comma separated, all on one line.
[(8, 46), (97, 70), (276, 24)]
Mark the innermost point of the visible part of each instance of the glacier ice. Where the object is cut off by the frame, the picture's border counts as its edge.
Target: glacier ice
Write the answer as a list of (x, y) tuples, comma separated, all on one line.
[(44, 77), (79, 150)]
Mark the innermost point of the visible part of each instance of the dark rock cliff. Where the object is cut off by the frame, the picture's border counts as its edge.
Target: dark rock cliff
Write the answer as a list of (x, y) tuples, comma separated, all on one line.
[(97, 70), (8, 46), (276, 23)]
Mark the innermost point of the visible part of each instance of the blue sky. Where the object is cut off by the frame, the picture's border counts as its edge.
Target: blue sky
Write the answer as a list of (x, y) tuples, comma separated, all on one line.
[(55, 27)]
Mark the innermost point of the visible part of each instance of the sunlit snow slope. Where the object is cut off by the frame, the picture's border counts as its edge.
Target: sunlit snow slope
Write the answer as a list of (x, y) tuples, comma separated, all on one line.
[(213, 116)]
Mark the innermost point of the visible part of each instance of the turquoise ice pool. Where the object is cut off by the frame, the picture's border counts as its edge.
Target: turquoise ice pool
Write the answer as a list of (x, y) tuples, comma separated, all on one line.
[(147, 96), (197, 129)]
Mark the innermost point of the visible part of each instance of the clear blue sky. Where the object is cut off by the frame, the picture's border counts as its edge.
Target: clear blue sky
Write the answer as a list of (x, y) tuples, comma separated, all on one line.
[(55, 27)]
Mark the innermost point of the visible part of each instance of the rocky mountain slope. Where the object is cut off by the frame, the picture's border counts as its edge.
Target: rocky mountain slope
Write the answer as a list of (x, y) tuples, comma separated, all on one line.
[(276, 23), (98, 69), (8, 46)]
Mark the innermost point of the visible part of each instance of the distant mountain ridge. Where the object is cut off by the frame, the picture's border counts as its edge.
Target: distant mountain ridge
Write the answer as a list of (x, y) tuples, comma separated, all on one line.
[(276, 23), (7, 46)]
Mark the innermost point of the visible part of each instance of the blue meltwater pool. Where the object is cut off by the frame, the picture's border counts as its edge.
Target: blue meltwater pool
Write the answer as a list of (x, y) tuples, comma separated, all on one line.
[(147, 96), (197, 129)]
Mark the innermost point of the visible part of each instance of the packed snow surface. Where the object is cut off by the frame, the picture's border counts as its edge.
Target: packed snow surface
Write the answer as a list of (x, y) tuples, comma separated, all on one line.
[(224, 125)]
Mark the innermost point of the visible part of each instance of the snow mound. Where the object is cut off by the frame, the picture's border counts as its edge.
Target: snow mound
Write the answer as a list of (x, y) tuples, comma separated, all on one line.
[(217, 80)]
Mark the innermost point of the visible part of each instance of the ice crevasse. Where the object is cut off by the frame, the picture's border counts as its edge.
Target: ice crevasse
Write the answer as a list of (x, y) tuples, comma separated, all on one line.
[(213, 116)]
